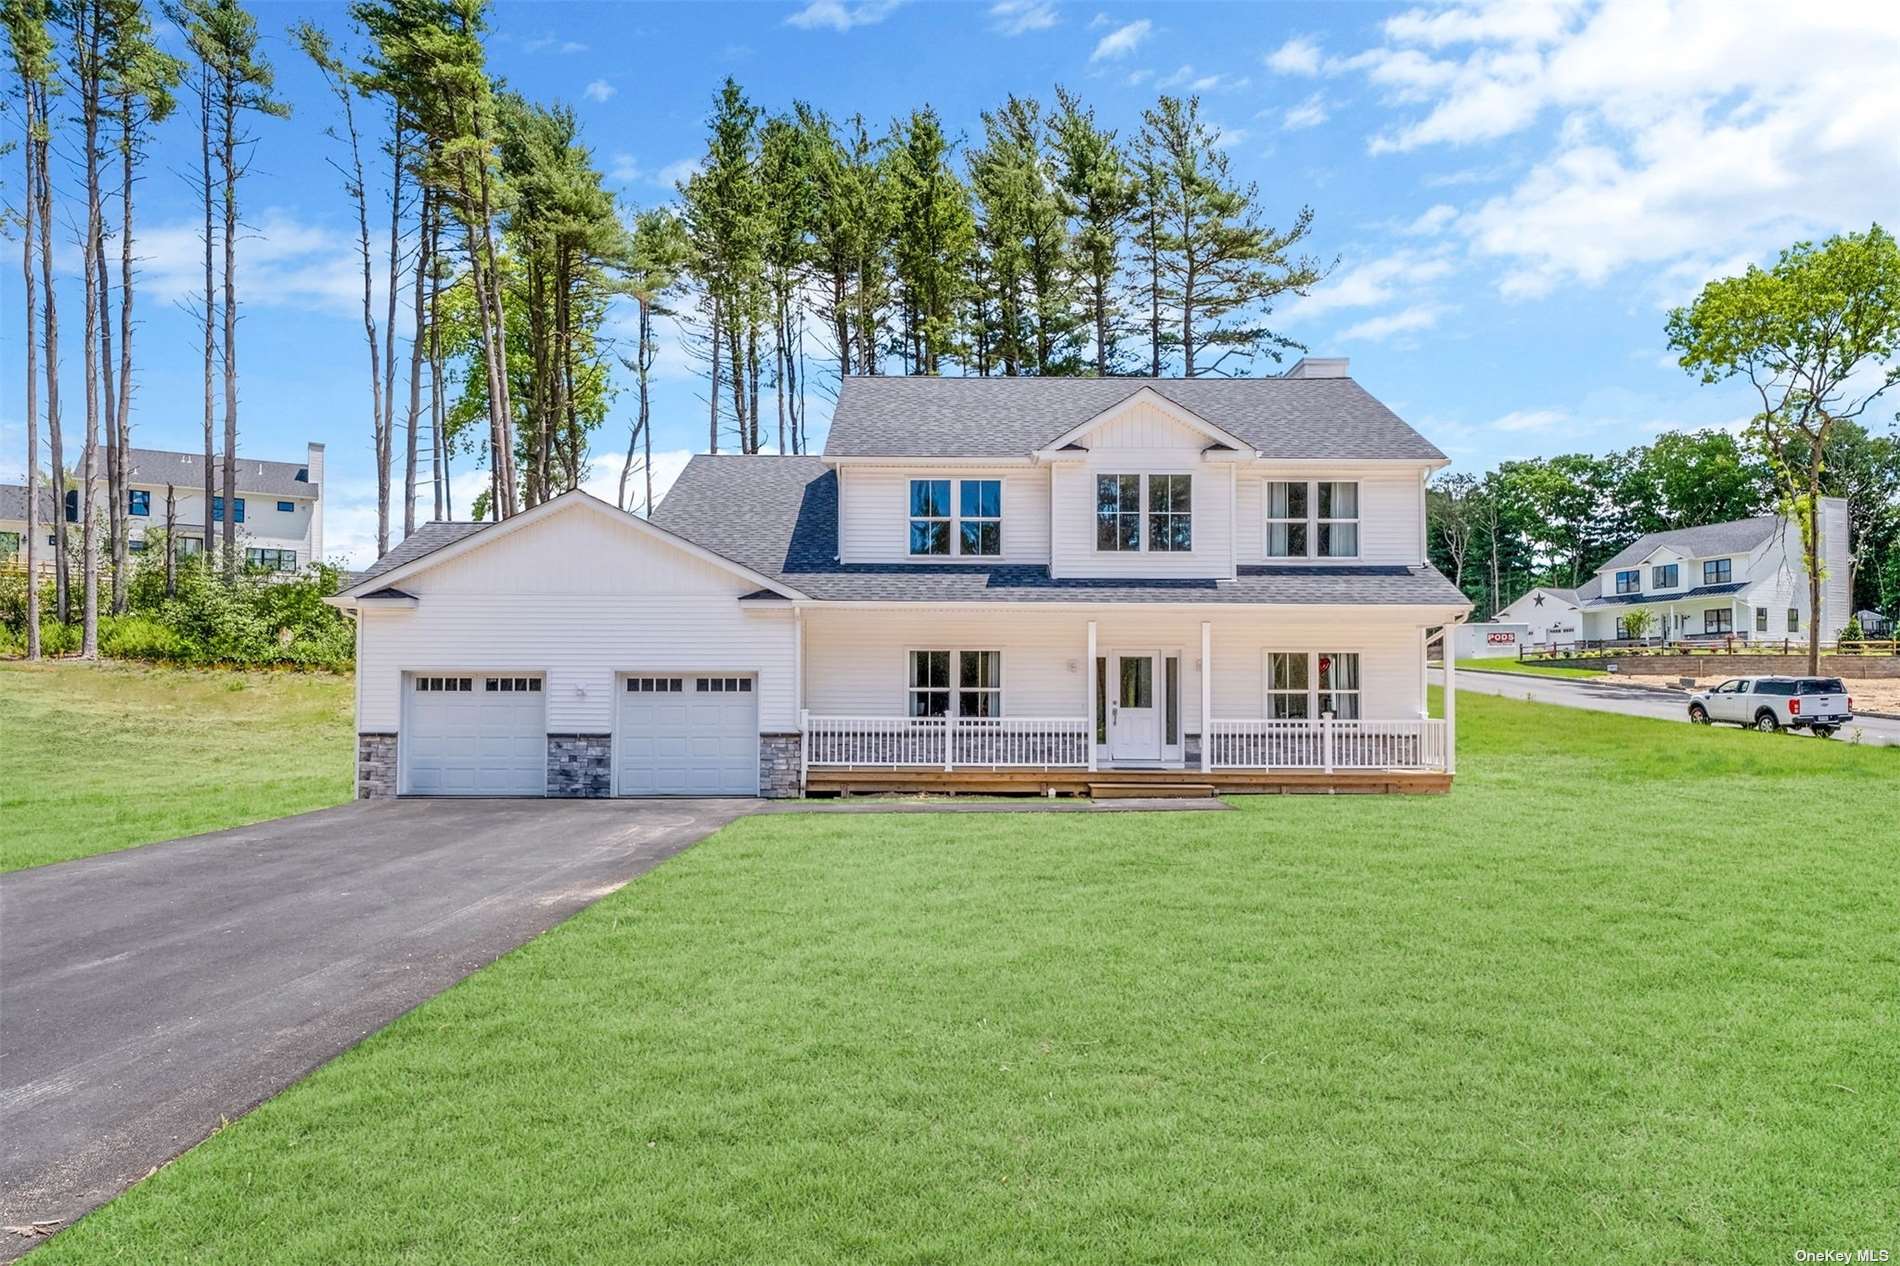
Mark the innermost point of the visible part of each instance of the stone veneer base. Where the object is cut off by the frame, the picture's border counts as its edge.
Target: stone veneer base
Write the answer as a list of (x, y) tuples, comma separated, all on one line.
[(580, 766), (778, 766), (375, 766)]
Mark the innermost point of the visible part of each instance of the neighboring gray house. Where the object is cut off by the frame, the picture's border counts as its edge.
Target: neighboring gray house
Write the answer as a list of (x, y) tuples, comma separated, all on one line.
[(1040, 583), (278, 510)]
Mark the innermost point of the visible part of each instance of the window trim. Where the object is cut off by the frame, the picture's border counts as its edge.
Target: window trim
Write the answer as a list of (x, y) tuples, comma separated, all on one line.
[(1658, 582), (1313, 691), (954, 676), (1761, 619), (286, 507), (955, 517), (1304, 521), (1709, 615), (1723, 576), (947, 518), (1794, 619), (1629, 580), (1150, 514), (281, 560), (217, 509), (1313, 520), (138, 503), (1139, 513)]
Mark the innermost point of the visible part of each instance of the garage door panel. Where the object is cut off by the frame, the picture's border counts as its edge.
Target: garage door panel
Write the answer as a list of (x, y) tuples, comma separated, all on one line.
[(474, 741), (679, 736)]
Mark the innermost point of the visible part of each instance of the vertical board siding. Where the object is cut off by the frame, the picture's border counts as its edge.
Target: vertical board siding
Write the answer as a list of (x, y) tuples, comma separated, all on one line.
[(874, 512)]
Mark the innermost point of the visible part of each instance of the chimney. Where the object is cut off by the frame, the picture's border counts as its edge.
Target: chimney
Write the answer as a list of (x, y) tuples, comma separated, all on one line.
[(313, 464), (1319, 367)]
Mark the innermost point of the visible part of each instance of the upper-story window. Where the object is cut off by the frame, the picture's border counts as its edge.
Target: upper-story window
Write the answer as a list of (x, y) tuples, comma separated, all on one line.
[(980, 518), (1118, 512), (970, 525), (1119, 516), (1171, 513), (139, 502), (930, 517), (1665, 576), (286, 507), (1629, 581), (1716, 571), (217, 510), (1313, 520)]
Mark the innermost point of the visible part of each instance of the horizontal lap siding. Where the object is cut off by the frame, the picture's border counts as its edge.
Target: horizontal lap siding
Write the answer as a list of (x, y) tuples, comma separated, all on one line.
[(856, 665), (874, 512), (579, 597)]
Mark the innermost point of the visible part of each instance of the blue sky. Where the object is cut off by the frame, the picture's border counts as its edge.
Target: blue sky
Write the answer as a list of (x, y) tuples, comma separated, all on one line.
[(1516, 193)]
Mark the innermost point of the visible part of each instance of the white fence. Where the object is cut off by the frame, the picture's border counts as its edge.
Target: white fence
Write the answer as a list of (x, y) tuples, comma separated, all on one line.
[(947, 742), (1063, 743), (1326, 745)]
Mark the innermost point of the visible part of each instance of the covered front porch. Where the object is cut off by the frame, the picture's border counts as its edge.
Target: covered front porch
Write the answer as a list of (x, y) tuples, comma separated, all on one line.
[(1067, 701)]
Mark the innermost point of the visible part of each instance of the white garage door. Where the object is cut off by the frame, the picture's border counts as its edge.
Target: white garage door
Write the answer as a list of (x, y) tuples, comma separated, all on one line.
[(688, 736), (474, 736)]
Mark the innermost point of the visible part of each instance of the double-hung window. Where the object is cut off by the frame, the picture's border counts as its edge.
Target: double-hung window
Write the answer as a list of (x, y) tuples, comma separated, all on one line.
[(1761, 619), (1286, 519), (980, 518), (139, 502), (1305, 684), (930, 517), (1118, 513), (1716, 571), (1794, 619), (970, 526), (1665, 576), (1319, 519), (1337, 507), (971, 681), (1718, 620), (1629, 581), (1171, 513)]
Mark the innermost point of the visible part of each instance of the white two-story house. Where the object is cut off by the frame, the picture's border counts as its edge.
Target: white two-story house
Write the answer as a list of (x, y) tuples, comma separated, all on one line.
[(278, 509), (1747, 579), (1032, 584)]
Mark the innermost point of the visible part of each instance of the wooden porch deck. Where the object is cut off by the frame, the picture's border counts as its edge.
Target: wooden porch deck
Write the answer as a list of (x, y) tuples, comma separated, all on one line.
[(848, 781)]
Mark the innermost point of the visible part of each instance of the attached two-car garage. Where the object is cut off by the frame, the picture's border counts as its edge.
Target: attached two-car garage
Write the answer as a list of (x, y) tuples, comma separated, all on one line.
[(486, 735)]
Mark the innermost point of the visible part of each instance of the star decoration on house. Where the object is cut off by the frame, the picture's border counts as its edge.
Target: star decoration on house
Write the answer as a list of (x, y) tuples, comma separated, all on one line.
[(1538, 600)]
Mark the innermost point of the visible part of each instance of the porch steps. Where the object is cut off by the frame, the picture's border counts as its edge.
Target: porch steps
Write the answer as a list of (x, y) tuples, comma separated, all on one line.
[(1150, 790)]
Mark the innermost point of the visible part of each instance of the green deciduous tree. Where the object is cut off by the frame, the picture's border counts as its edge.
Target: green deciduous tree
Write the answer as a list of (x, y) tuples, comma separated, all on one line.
[(1815, 337)]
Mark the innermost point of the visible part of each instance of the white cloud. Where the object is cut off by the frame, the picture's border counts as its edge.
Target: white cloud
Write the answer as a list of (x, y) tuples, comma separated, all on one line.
[(1420, 316), (282, 262), (1122, 41), (1308, 113), (598, 90), (625, 169), (1298, 56), (1530, 420), (678, 172), (1018, 17), (1683, 136), (1185, 77), (1432, 221), (1372, 284), (1136, 78), (549, 40), (837, 15)]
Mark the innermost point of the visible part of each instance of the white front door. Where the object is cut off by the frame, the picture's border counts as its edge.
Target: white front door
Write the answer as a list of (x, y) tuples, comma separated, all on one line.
[(1134, 706)]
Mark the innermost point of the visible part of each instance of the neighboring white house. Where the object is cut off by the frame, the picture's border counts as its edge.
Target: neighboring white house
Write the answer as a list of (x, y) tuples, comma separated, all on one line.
[(1745, 579), (278, 510), (1550, 615), (979, 574)]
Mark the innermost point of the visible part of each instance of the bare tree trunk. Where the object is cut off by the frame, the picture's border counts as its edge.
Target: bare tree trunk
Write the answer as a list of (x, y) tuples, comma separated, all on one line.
[(211, 309), (56, 475), (1814, 558), (29, 219), (641, 361), (418, 299), (228, 143), (171, 541), (121, 544), (109, 416), (504, 409), (438, 408), (86, 50), (712, 439), (395, 288)]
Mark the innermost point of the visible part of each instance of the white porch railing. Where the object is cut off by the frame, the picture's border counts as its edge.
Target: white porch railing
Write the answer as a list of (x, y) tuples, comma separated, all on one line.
[(1326, 745), (947, 742)]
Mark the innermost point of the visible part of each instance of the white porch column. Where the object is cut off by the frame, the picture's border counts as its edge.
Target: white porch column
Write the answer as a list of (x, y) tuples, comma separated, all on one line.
[(1451, 703), (1207, 693), (1088, 692), (1424, 672), (798, 662)]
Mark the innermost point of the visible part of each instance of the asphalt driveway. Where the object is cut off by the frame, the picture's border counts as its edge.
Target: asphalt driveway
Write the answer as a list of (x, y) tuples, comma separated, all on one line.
[(146, 994)]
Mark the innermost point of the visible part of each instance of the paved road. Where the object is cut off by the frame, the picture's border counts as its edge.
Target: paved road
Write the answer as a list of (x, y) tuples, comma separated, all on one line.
[(148, 993), (1639, 701)]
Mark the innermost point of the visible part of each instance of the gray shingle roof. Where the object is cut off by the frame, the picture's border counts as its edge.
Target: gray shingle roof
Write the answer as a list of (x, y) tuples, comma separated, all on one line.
[(187, 470), (1324, 418), (13, 502), (1645, 599), (789, 531), (428, 538), (1699, 542)]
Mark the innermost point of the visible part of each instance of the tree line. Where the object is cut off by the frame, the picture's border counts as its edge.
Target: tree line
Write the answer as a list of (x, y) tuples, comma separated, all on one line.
[(1554, 521)]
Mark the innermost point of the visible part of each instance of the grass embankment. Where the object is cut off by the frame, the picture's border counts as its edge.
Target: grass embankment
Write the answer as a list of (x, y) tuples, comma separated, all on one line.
[(104, 756), (1626, 994), (1529, 668)]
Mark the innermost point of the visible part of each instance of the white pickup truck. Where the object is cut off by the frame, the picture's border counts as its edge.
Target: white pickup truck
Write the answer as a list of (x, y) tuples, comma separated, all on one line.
[(1819, 704)]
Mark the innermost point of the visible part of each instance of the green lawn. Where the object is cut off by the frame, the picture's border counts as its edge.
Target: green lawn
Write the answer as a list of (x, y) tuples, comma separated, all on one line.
[(103, 756), (1628, 994), (1527, 667)]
